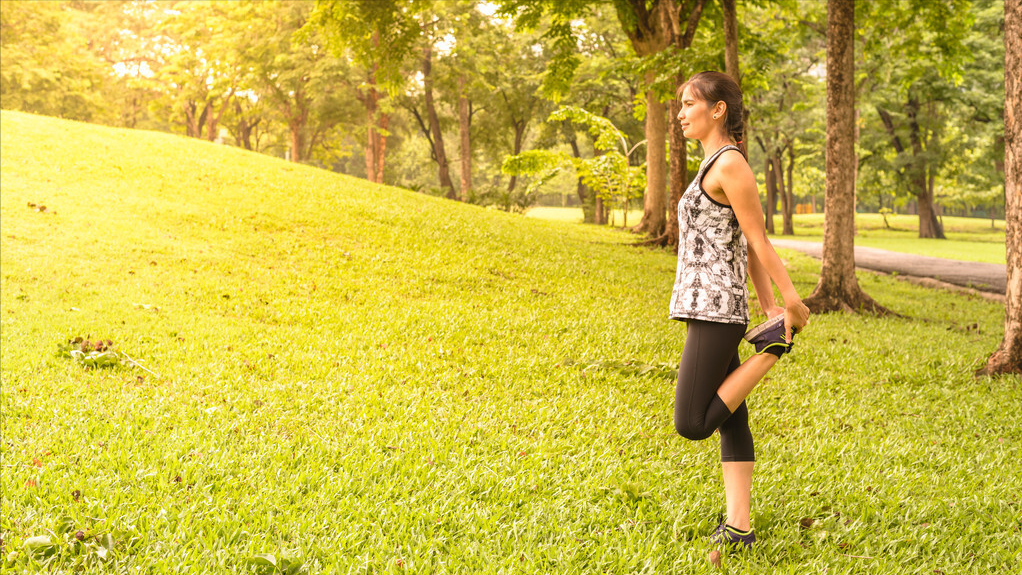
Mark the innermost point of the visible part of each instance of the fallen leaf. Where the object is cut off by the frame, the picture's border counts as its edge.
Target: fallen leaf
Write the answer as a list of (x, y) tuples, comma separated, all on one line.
[(714, 558)]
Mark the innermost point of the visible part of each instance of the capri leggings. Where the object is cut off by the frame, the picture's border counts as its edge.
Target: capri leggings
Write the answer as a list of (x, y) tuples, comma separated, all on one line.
[(711, 353)]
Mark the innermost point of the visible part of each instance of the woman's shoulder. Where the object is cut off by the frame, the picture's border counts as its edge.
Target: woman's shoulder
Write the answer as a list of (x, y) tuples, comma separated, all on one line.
[(732, 160)]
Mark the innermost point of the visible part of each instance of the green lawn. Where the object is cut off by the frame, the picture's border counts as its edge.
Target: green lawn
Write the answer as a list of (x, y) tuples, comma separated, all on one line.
[(574, 215), (968, 239), (360, 379)]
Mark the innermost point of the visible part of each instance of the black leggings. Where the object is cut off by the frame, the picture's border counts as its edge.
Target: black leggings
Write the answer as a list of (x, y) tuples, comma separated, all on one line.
[(711, 353)]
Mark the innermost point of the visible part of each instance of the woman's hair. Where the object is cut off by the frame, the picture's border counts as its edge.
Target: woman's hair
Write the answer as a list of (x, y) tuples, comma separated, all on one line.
[(716, 87)]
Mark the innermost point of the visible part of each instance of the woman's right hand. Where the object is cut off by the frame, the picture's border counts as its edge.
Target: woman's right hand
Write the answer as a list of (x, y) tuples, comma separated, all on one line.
[(796, 315)]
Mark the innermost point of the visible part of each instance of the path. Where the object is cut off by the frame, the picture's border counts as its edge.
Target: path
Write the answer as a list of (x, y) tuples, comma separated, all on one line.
[(989, 278)]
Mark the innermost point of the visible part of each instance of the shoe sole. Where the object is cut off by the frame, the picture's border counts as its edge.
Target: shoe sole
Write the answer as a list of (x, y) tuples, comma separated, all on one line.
[(767, 325)]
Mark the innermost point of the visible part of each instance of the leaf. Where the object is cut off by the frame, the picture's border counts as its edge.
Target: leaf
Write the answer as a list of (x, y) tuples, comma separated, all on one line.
[(263, 560), (65, 525), (40, 546)]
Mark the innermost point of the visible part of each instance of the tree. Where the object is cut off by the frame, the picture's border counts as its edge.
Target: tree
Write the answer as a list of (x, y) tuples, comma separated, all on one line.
[(295, 79), (913, 93), (838, 288), (448, 69), (198, 74), (653, 26), (609, 174), (48, 67), (783, 93), (604, 84), (379, 36), (1008, 357)]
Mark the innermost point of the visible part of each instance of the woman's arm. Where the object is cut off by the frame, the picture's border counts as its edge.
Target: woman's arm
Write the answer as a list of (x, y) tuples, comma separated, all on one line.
[(739, 185), (761, 282)]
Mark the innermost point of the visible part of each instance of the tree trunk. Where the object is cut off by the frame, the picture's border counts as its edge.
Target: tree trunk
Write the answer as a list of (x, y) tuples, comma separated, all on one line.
[(297, 120), (381, 145), (370, 101), (1008, 357), (581, 189), (838, 288), (789, 224), (465, 149), (214, 119), (651, 30), (654, 213), (439, 152), (296, 132), (771, 190), (519, 126), (678, 166), (785, 193), (245, 127), (730, 39), (929, 227)]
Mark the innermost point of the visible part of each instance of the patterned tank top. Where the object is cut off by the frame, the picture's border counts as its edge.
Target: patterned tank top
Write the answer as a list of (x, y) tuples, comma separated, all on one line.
[(712, 257)]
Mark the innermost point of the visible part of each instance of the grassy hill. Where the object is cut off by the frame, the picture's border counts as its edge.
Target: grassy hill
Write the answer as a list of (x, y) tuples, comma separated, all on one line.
[(352, 378)]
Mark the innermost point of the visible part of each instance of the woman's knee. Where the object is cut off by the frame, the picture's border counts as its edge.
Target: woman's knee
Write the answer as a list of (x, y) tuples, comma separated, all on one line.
[(687, 429)]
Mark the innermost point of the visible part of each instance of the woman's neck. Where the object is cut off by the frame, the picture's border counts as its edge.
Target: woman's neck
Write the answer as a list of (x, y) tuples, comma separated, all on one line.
[(714, 143)]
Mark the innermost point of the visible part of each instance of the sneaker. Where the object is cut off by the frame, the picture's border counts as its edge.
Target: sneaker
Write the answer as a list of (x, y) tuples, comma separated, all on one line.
[(769, 335), (730, 537)]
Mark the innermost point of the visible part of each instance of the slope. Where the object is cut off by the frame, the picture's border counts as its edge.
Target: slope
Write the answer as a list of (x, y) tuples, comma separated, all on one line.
[(355, 378)]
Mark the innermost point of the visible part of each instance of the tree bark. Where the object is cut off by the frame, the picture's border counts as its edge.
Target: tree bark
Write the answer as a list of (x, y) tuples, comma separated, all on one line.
[(214, 119), (381, 145), (245, 127), (929, 226), (297, 119), (648, 30), (1008, 357), (377, 123), (730, 39), (678, 166), (519, 126), (465, 147), (789, 224), (654, 209), (838, 288), (439, 152), (771, 191), (785, 193)]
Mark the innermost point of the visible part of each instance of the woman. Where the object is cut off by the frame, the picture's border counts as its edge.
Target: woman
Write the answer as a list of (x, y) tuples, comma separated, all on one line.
[(722, 242)]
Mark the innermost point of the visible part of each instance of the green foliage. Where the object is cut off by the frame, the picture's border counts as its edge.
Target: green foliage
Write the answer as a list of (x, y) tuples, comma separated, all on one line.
[(941, 95), (608, 174), (362, 379), (378, 35), (47, 67), (91, 354), (560, 34)]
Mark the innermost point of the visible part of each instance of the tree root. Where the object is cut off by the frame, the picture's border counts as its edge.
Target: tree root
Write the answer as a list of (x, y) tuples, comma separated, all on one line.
[(855, 301), (662, 241), (1000, 363)]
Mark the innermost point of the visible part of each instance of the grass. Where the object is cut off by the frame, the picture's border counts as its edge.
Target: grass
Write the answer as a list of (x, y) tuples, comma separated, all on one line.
[(359, 379), (574, 215), (968, 239)]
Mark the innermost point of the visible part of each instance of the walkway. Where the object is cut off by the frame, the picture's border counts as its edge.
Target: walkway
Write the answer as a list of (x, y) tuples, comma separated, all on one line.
[(989, 278)]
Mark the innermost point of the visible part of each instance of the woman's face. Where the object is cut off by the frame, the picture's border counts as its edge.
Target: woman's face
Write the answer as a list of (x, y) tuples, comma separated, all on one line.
[(696, 116)]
